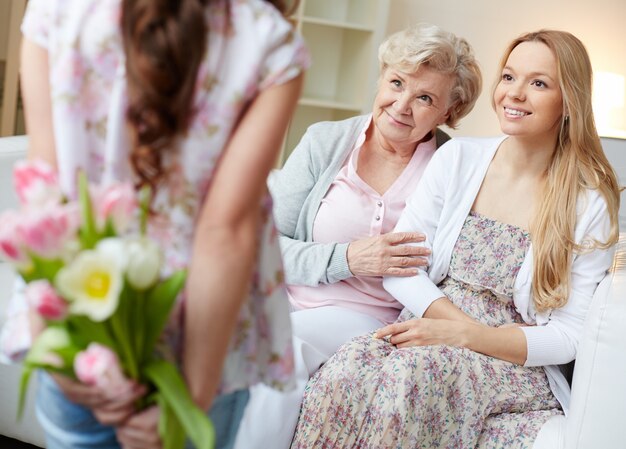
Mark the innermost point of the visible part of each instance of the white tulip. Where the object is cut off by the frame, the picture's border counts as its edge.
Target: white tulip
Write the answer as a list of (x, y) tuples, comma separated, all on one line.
[(115, 248), (92, 283), (143, 263)]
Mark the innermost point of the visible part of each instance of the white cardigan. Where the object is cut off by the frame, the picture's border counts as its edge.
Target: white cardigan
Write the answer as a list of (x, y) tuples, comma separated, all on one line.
[(438, 208)]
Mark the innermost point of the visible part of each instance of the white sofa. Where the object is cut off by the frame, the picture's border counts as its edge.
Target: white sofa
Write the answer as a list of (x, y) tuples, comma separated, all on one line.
[(28, 429), (598, 407)]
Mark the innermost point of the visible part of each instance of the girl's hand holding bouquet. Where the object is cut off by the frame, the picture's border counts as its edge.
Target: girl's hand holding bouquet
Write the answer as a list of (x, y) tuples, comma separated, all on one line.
[(99, 290)]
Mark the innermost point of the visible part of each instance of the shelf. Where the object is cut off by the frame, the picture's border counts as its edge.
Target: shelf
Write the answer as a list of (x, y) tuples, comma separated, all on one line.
[(342, 37), (362, 13), (340, 70), (338, 24), (320, 103), (10, 83)]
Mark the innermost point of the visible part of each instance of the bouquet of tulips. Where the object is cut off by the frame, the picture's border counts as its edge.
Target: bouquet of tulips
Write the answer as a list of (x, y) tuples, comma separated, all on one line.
[(100, 292)]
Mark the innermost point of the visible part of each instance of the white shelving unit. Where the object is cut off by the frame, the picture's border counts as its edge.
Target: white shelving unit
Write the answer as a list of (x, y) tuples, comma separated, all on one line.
[(343, 38), (11, 14)]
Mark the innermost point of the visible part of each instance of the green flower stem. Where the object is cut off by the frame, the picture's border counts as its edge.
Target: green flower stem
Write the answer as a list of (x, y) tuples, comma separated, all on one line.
[(121, 336), (173, 391), (144, 208), (138, 334), (88, 231)]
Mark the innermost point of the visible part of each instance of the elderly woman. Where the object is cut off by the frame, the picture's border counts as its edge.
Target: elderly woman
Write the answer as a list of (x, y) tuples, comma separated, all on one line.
[(340, 194)]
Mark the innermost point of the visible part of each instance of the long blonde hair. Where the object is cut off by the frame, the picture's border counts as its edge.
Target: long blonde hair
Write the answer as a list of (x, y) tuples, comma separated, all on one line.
[(578, 164)]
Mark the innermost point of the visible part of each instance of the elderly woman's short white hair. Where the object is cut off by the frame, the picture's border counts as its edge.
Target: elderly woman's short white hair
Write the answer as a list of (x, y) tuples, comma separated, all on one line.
[(439, 50)]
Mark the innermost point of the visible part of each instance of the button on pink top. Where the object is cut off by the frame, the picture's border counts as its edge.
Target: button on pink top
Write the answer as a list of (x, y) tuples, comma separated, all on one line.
[(352, 210)]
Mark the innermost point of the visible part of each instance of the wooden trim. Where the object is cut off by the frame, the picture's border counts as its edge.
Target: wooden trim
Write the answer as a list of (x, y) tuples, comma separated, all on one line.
[(11, 75)]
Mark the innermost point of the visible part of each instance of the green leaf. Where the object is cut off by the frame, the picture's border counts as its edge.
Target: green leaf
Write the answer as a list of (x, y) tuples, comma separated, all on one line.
[(84, 331), (170, 428), (42, 269), (157, 308), (27, 371), (67, 354), (174, 392), (132, 315), (88, 232), (109, 229), (123, 338)]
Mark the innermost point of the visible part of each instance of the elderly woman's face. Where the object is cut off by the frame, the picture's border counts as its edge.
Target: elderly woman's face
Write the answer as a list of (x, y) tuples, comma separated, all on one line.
[(410, 105)]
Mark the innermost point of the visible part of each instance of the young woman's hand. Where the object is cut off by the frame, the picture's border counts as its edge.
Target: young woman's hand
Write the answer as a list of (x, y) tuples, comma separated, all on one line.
[(504, 343), (510, 325), (141, 430), (425, 331), (387, 255)]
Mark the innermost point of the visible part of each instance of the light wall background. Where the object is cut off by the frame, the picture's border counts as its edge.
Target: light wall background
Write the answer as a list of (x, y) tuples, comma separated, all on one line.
[(489, 26)]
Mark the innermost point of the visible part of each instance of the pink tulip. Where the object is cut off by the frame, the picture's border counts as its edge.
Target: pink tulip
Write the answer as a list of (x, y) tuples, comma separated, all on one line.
[(11, 248), (47, 231), (44, 299), (118, 203), (99, 366), (36, 183)]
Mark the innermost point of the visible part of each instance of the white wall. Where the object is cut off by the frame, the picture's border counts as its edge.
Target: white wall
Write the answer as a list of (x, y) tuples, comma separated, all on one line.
[(615, 150), (489, 26)]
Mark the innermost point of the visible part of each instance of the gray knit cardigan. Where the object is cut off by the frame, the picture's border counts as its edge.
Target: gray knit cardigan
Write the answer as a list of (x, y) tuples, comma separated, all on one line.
[(298, 189)]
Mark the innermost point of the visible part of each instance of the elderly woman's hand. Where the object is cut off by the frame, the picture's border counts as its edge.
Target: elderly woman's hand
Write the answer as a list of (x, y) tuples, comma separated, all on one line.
[(387, 255)]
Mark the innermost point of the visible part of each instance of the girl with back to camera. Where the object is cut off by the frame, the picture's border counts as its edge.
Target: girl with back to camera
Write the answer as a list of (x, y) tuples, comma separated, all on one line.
[(191, 97), (522, 229)]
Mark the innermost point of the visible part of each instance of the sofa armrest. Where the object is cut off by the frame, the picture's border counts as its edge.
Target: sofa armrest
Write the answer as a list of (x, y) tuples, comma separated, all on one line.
[(598, 403), (13, 149)]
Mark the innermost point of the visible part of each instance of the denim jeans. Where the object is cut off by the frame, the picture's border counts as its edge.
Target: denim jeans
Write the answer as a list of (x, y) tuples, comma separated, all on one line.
[(72, 426)]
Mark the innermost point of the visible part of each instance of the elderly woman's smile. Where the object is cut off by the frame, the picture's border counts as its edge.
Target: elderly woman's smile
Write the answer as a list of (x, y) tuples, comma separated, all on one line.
[(410, 105)]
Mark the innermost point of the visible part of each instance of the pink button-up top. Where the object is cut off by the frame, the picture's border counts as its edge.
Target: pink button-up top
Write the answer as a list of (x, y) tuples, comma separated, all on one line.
[(352, 210)]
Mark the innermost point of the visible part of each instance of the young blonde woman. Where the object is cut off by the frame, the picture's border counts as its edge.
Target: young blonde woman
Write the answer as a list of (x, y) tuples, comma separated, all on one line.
[(522, 229)]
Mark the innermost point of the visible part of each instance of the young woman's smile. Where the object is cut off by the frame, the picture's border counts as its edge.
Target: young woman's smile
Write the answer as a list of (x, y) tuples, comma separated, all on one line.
[(528, 98)]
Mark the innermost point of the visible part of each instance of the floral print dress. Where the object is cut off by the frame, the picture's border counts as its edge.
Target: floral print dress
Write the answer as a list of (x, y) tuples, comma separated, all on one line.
[(250, 47), (371, 394)]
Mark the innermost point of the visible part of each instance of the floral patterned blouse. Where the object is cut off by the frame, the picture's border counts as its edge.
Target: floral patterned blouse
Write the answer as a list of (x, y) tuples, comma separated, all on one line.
[(250, 47)]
